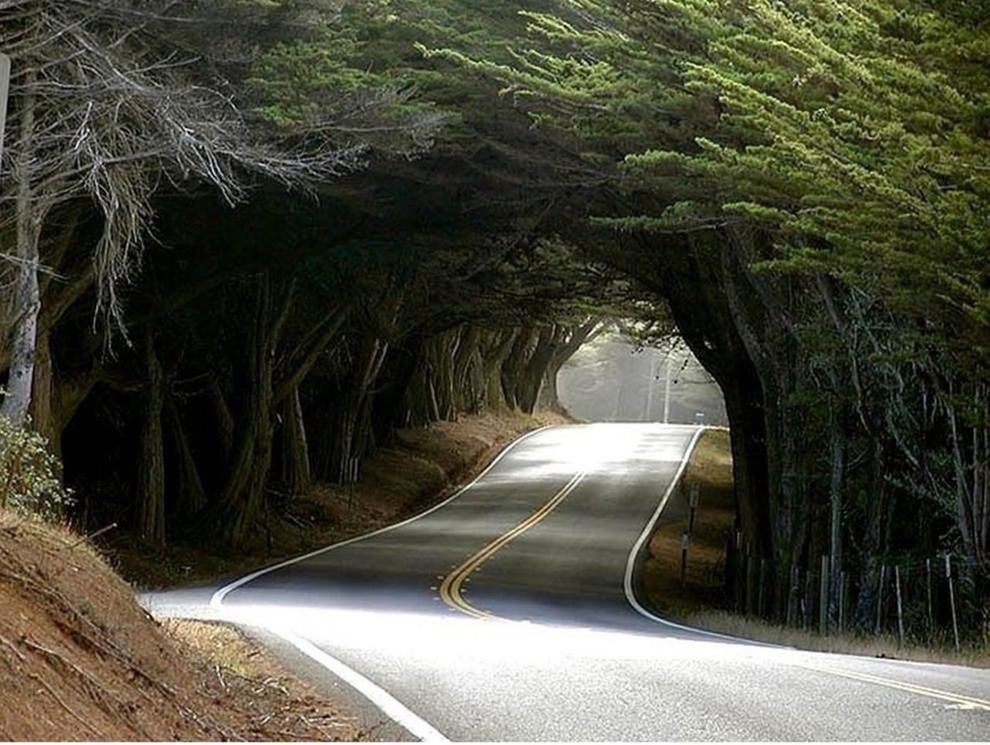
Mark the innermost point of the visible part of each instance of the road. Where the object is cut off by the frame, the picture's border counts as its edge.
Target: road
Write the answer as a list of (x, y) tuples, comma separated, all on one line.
[(508, 613)]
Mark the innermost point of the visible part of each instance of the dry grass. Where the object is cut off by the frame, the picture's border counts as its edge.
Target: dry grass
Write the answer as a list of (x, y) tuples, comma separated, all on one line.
[(80, 660), (422, 467), (700, 600), (883, 646)]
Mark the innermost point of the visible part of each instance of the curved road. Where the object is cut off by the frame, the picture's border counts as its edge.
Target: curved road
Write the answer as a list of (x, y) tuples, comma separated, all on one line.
[(507, 614)]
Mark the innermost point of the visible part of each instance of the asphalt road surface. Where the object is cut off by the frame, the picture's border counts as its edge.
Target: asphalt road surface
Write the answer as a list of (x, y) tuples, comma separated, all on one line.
[(508, 613)]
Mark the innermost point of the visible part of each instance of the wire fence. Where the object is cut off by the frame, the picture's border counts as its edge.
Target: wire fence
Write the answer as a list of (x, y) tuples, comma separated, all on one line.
[(934, 600)]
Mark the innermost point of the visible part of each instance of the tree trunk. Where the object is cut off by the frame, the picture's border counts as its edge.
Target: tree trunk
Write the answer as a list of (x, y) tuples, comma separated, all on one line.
[(242, 497), (190, 495), (295, 447), (27, 294), (151, 463), (45, 416)]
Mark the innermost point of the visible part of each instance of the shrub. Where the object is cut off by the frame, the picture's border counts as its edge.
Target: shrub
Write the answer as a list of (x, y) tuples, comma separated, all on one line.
[(29, 473)]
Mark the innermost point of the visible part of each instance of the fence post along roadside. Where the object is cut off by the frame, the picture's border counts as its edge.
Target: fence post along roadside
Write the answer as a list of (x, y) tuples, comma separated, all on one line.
[(792, 592), (842, 602), (900, 607), (823, 599), (351, 472), (760, 606), (878, 627), (952, 600)]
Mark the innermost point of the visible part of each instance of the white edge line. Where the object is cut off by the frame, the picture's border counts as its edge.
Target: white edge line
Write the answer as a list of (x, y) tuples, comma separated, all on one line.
[(386, 702), (645, 536)]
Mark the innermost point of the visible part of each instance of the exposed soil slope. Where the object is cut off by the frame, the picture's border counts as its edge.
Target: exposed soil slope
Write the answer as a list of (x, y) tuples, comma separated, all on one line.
[(80, 660)]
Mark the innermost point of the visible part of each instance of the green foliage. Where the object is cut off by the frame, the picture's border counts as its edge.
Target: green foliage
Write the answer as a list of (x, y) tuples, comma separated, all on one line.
[(29, 480), (854, 134)]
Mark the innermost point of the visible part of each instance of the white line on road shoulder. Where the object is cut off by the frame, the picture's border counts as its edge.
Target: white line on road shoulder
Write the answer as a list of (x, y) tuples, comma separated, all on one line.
[(386, 702), (627, 584)]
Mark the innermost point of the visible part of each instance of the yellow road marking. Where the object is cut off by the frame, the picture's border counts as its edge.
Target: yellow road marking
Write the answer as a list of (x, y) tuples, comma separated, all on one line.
[(451, 589), (451, 592), (968, 702)]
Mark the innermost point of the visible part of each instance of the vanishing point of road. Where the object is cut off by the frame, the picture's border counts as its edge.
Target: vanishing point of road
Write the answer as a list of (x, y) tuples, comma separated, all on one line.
[(509, 613)]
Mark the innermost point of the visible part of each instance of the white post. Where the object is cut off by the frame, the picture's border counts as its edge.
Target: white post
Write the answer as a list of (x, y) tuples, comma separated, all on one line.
[(666, 386), (651, 385), (4, 93)]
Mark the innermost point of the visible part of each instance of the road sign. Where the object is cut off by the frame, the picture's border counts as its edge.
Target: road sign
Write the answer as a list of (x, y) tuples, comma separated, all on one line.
[(4, 90)]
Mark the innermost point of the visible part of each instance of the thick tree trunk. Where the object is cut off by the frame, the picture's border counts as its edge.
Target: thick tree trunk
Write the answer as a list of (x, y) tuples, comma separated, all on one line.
[(243, 496), (496, 350), (295, 447), (351, 416), (514, 365), (536, 367), (190, 495), (27, 294), (225, 419), (45, 416), (151, 463)]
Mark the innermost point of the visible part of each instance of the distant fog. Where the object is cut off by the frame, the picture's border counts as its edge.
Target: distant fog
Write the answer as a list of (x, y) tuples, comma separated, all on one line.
[(610, 380)]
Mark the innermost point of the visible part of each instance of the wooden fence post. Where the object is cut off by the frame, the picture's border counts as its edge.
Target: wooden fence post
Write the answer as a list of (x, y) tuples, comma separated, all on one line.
[(952, 600), (876, 631), (791, 611), (763, 583), (842, 603), (823, 598), (900, 608)]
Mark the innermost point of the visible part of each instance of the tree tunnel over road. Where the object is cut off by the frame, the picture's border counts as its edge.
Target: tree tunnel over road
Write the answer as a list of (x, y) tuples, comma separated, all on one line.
[(229, 280)]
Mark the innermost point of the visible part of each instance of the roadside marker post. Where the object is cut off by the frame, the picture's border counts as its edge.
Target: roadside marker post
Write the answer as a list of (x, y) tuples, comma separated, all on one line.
[(952, 600), (685, 542), (928, 588), (693, 504)]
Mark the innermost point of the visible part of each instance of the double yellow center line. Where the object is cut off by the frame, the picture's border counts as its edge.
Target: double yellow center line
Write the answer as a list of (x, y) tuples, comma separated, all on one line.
[(452, 587)]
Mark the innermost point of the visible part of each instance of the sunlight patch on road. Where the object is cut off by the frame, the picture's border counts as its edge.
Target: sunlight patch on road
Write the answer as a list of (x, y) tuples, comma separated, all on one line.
[(422, 635)]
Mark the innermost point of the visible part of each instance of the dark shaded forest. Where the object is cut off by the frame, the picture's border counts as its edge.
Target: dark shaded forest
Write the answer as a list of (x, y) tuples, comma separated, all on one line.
[(243, 241)]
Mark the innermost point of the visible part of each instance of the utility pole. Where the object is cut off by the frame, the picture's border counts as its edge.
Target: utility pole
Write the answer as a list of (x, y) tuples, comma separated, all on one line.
[(4, 94)]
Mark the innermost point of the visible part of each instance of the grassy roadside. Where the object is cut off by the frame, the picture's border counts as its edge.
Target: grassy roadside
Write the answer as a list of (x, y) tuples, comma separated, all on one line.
[(700, 600), (284, 705), (422, 467)]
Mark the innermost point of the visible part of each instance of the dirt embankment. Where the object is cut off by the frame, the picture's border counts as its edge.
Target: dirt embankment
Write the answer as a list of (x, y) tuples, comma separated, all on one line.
[(422, 467), (80, 660)]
